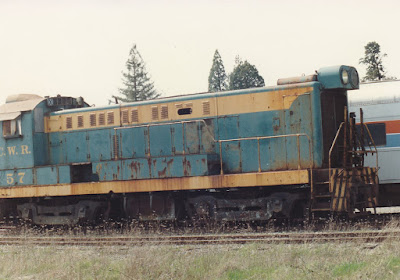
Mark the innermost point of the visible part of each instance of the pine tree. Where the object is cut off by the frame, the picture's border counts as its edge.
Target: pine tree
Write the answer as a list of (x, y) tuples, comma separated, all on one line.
[(217, 80), (138, 85), (245, 75), (373, 60)]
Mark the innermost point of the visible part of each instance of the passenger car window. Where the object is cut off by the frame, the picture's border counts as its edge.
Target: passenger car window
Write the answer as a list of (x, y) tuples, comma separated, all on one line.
[(378, 133)]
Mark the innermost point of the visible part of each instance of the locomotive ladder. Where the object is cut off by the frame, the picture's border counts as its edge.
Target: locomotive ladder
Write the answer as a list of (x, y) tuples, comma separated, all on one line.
[(350, 188)]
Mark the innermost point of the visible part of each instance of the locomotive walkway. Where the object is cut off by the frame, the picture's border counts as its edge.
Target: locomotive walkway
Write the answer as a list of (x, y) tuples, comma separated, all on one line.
[(215, 239)]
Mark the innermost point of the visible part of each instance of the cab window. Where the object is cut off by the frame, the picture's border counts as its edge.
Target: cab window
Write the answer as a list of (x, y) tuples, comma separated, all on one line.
[(12, 128)]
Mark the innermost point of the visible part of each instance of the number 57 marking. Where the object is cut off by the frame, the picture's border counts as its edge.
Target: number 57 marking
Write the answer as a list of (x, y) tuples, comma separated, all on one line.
[(10, 178)]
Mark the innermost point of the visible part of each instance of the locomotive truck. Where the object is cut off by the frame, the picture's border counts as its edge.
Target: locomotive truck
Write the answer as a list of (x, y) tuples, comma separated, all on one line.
[(290, 150)]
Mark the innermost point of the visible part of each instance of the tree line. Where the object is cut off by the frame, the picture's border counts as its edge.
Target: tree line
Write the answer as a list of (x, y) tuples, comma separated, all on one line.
[(373, 59), (244, 75), (137, 84)]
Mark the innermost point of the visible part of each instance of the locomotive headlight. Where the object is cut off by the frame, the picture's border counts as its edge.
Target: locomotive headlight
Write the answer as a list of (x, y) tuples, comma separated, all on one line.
[(345, 76), (354, 79), (340, 76)]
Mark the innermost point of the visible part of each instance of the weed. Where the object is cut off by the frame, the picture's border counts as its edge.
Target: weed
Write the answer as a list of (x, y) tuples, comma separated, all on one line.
[(346, 269)]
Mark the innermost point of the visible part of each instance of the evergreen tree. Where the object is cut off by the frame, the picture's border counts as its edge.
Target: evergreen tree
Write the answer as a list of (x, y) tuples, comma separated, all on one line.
[(245, 75), (137, 84), (373, 60), (217, 80)]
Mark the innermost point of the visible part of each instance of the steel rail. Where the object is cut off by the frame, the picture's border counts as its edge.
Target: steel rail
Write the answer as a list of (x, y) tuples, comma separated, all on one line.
[(223, 239)]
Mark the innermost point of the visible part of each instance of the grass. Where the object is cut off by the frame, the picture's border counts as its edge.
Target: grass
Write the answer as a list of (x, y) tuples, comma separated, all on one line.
[(254, 261), (235, 262)]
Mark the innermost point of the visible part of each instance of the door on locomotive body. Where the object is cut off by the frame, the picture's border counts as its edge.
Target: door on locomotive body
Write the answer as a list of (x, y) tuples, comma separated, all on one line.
[(229, 128), (298, 120), (333, 103), (273, 153)]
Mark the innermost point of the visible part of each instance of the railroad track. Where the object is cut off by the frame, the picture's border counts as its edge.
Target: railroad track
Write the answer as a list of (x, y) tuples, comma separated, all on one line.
[(220, 239)]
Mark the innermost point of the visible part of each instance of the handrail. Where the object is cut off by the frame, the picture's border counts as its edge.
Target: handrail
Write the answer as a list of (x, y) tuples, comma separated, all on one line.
[(333, 145), (365, 152), (373, 142)]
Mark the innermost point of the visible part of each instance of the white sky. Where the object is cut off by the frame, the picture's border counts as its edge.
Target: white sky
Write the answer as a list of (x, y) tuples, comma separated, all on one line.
[(79, 48)]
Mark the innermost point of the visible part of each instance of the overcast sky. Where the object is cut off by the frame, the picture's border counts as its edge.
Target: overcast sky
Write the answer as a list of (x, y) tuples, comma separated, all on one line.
[(79, 48)]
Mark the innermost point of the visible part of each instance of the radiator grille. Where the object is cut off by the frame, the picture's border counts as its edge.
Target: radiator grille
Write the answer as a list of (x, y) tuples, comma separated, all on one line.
[(164, 112), (206, 108), (135, 115), (110, 117), (69, 122), (116, 146), (80, 121), (154, 113), (125, 116), (92, 119), (102, 119)]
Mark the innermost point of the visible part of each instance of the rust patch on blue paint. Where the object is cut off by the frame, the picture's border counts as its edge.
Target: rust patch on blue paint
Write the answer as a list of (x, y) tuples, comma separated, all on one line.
[(116, 176), (135, 169), (187, 167), (149, 164)]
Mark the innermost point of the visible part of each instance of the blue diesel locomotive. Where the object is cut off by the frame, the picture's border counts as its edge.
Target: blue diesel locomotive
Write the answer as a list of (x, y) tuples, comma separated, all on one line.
[(246, 155)]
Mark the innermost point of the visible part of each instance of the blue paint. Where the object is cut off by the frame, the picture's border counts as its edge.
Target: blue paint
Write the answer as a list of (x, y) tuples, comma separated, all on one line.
[(46, 175), (16, 177), (392, 140), (108, 170), (174, 150), (24, 177), (99, 144), (161, 142), (12, 152), (140, 142), (330, 77), (76, 149), (249, 152), (64, 174), (135, 169), (156, 168), (177, 139), (317, 138)]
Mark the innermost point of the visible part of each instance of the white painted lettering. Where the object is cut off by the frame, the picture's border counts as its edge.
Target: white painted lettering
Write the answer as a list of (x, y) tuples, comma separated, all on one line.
[(10, 179), (21, 177), (11, 150), (25, 150)]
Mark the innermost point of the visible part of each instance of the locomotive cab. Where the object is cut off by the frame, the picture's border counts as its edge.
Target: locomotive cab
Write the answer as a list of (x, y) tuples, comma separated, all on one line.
[(24, 145)]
